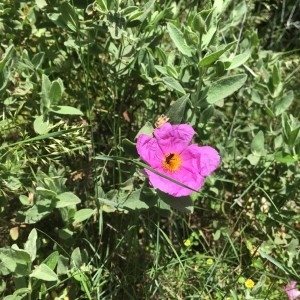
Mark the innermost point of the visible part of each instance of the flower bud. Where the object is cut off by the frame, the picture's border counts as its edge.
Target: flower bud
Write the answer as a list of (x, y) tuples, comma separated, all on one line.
[(199, 24)]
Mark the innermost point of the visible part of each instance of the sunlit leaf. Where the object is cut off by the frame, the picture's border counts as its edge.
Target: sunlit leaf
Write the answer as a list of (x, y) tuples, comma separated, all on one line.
[(225, 87), (83, 214), (43, 272), (212, 57), (173, 84), (67, 199), (258, 144), (69, 16), (178, 39), (65, 110)]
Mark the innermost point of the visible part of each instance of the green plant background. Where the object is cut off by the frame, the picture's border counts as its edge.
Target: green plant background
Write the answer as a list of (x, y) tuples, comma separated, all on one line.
[(79, 80)]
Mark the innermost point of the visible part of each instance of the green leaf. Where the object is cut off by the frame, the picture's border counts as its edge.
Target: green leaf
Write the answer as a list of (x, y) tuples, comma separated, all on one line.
[(69, 16), (211, 58), (46, 101), (102, 5), (56, 91), (146, 129), (13, 183), (162, 70), (41, 3), (253, 159), (38, 59), (198, 23), (43, 272), (16, 260), (239, 60), (283, 103), (7, 56), (147, 10), (173, 84), (78, 258), (284, 157), (67, 199), (225, 87), (51, 260), (41, 126), (65, 233), (207, 38), (178, 39), (183, 204), (129, 10), (177, 109), (83, 214), (258, 144), (272, 260), (65, 110), (291, 128), (259, 285), (45, 192), (276, 76), (37, 212), (129, 147), (24, 200), (57, 19), (30, 245), (140, 199), (19, 294), (62, 265)]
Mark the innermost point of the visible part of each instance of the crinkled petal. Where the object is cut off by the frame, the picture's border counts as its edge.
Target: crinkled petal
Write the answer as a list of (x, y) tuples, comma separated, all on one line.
[(209, 160), (149, 150), (292, 291), (186, 177), (190, 157), (174, 138)]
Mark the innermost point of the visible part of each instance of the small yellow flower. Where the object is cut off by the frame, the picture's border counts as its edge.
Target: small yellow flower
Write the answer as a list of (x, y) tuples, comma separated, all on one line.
[(209, 261), (249, 284), (187, 243)]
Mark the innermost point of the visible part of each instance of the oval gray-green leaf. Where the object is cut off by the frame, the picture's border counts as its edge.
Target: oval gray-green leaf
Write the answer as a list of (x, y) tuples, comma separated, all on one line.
[(41, 126), (83, 214), (178, 39), (183, 204), (211, 58), (258, 144), (52, 260), (69, 16), (177, 109), (56, 90), (225, 87), (173, 84), (284, 103), (239, 60), (67, 199), (65, 110), (43, 272)]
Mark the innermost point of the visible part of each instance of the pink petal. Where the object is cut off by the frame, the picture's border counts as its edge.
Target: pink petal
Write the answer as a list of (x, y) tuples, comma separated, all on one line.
[(186, 177), (197, 162), (209, 160), (149, 150), (291, 290), (191, 158), (174, 138)]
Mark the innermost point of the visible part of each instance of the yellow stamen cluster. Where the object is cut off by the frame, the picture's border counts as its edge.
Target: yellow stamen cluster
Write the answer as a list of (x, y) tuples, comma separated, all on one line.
[(249, 283), (172, 162)]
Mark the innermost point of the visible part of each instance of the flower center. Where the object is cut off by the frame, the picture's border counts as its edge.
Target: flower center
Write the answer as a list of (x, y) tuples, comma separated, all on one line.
[(172, 162)]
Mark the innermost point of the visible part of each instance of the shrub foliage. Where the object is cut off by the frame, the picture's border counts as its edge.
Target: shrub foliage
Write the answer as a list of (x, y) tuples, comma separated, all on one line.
[(79, 80)]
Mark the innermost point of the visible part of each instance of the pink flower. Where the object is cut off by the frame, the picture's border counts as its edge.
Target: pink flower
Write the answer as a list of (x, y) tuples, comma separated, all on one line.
[(292, 292), (169, 152)]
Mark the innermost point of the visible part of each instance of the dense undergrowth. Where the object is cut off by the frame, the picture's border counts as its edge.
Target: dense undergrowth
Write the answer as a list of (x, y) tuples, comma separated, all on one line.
[(79, 80)]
